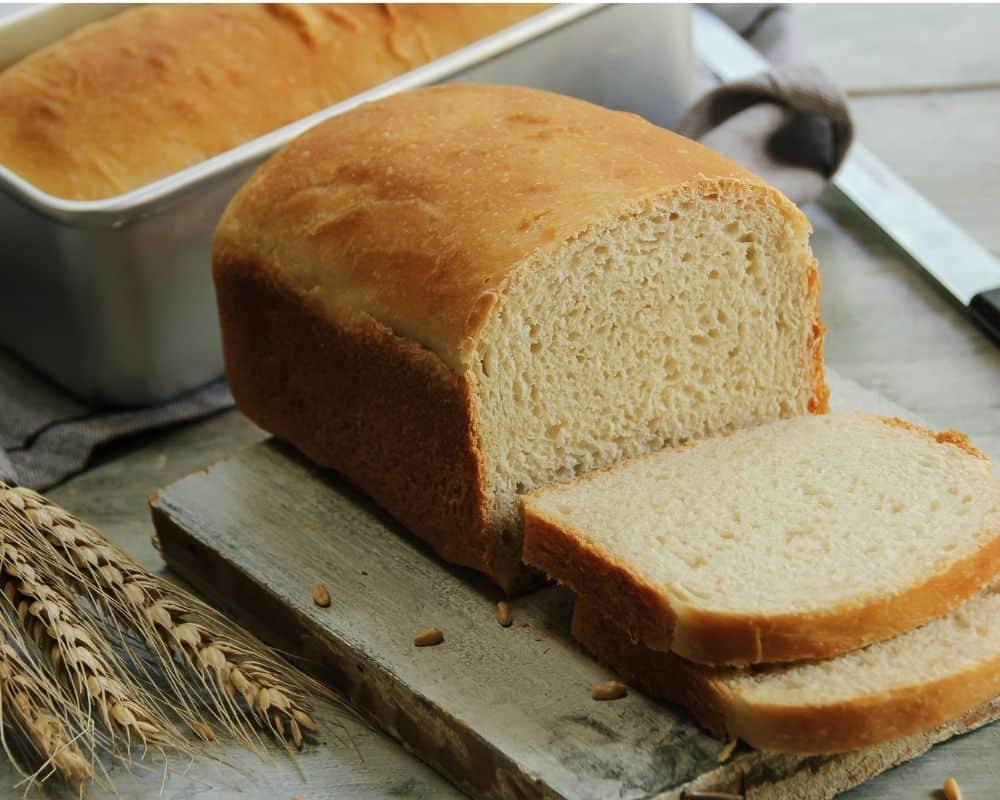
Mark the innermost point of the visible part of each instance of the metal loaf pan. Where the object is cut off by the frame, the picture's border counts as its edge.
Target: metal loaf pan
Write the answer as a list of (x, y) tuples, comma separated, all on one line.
[(113, 299)]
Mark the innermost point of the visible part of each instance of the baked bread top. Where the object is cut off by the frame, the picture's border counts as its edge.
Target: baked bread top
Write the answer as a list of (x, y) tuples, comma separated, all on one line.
[(129, 100), (420, 209)]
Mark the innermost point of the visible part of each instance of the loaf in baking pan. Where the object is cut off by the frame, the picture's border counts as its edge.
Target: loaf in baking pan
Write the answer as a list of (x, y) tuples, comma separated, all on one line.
[(459, 294), (123, 102), (800, 539), (888, 690)]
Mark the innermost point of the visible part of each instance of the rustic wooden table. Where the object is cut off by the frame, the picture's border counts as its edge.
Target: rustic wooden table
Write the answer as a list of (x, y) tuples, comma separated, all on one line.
[(925, 91)]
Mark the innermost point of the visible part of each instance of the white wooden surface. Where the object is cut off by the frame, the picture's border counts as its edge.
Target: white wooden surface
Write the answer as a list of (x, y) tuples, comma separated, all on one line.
[(926, 85)]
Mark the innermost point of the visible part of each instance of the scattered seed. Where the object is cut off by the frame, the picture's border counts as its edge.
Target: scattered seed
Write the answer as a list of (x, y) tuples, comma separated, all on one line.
[(539, 638), (428, 638), (504, 617), (952, 791), (609, 690), (727, 750), (321, 596)]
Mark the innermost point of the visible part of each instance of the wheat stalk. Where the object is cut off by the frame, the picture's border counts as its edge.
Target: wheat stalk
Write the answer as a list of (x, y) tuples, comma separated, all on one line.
[(189, 637), (30, 706), (77, 651)]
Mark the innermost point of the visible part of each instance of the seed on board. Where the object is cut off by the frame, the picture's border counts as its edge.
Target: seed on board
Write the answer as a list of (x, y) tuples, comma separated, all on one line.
[(321, 596), (428, 638), (727, 750), (609, 690), (504, 617), (951, 789)]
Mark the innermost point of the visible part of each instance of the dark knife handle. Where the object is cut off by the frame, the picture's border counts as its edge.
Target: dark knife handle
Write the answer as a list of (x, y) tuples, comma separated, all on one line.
[(985, 307)]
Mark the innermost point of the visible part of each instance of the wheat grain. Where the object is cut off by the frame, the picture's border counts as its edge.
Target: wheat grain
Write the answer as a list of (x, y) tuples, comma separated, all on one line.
[(428, 638), (321, 596), (77, 650), (188, 637), (727, 750), (30, 707), (504, 615), (609, 690), (35, 711)]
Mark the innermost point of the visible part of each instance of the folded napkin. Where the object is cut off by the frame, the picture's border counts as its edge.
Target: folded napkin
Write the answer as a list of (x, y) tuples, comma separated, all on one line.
[(790, 126), (46, 435)]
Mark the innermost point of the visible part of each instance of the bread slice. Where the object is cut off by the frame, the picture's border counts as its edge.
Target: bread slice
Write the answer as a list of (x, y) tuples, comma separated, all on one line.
[(800, 539), (885, 691), (458, 294)]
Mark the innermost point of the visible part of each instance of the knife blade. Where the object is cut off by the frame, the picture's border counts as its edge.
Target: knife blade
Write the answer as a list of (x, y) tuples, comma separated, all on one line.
[(963, 267)]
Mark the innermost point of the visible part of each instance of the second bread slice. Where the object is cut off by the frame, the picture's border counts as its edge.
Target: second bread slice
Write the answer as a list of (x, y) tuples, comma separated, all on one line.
[(801, 539), (883, 692)]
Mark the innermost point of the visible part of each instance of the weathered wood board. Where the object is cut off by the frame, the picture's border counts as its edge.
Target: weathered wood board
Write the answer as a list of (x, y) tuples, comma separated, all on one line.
[(502, 712)]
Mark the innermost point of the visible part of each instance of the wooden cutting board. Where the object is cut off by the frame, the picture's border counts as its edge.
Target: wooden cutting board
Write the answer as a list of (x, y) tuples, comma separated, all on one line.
[(502, 712)]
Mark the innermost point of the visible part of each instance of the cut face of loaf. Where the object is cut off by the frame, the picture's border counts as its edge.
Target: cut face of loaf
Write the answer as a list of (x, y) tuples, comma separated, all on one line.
[(459, 294), (883, 692), (803, 538), (685, 318)]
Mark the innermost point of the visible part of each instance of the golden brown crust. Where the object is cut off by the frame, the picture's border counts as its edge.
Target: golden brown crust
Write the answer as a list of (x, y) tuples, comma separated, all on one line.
[(558, 552), (468, 186), (950, 436), (715, 638), (155, 89), (381, 410), (805, 729)]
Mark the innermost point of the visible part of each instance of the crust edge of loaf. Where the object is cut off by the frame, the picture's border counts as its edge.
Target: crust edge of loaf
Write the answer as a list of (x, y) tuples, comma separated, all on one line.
[(804, 730), (401, 448), (819, 401), (728, 639)]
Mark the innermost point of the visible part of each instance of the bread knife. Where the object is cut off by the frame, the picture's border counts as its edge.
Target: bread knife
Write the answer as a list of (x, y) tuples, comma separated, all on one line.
[(963, 267)]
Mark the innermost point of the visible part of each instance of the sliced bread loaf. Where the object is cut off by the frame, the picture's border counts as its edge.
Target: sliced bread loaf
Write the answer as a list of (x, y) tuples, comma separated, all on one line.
[(799, 539), (885, 691), (458, 294)]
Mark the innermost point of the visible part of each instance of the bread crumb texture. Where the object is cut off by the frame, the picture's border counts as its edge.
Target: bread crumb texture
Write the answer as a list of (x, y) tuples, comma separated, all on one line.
[(803, 515)]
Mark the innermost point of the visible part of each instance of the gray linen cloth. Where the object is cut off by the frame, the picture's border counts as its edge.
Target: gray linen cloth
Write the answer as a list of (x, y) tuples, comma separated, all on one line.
[(791, 126)]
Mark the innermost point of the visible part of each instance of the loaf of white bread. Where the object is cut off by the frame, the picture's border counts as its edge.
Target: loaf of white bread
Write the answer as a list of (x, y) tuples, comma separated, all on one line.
[(154, 89), (462, 293)]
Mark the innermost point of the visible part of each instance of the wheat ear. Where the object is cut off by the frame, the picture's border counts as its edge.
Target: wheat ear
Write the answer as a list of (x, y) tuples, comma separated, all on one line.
[(189, 637), (32, 707), (77, 651)]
